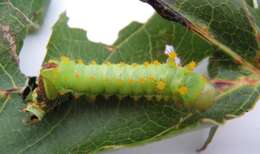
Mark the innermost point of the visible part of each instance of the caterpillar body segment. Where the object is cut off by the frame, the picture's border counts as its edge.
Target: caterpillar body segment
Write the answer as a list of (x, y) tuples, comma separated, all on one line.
[(167, 81)]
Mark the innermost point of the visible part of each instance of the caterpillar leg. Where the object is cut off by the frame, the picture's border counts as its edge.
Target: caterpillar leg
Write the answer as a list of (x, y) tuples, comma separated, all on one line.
[(211, 135)]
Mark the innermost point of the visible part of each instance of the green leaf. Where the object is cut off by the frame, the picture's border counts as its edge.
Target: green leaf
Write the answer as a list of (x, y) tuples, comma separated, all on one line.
[(222, 67), (78, 126), (93, 127), (189, 46), (17, 19), (227, 25), (256, 13), (233, 27), (234, 103), (256, 17), (136, 43), (250, 2), (128, 43)]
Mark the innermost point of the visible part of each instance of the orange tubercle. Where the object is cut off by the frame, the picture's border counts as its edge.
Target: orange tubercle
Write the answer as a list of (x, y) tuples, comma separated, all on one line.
[(156, 62), (161, 85), (151, 78), (141, 80), (146, 64), (191, 66), (130, 81), (93, 77), (119, 81), (172, 55), (77, 74), (134, 65), (65, 59), (93, 62), (79, 61), (121, 64), (107, 62), (183, 90)]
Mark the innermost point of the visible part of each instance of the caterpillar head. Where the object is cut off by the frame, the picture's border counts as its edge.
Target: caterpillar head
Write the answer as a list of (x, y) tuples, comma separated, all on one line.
[(35, 108), (37, 105), (206, 99)]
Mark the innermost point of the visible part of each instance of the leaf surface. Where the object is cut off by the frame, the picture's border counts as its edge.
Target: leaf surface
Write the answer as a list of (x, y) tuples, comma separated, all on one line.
[(78, 126), (17, 19)]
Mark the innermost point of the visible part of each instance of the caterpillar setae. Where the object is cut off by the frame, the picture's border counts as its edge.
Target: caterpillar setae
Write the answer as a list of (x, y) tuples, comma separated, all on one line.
[(150, 80)]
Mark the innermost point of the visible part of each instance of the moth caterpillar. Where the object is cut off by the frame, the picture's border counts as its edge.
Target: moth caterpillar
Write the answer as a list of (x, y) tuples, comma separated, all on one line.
[(162, 81)]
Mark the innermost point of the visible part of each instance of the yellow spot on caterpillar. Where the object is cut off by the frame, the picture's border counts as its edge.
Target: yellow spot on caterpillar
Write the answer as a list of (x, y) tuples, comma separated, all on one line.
[(130, 81), (121, 64), (156, 62), (93, 62), (134, 65), (172, 55), (151, 78), (146, 64), (79, 61), (65, 59), (183, 90), (77, 74), (107, 62), (191, 65), (161, 85), (141, 80), (119, 81), (172, 63), (93, 77)]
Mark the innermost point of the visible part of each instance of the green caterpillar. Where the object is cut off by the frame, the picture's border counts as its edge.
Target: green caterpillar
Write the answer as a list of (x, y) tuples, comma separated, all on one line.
[(167, 81)]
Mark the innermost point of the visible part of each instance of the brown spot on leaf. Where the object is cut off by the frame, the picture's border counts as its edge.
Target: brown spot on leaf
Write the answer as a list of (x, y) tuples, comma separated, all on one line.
[(249, 81), (49, 65), (7, 92), (2, 92), (257, 60), (111, 48), (258, 37), (10, 39), (222, 84)]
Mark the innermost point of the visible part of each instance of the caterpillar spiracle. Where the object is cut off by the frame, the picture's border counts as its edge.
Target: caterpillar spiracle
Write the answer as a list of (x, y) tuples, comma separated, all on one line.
[(167, 81)]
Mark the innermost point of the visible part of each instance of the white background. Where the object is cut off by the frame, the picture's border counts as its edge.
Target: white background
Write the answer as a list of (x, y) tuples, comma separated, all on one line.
[(103, 19)]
